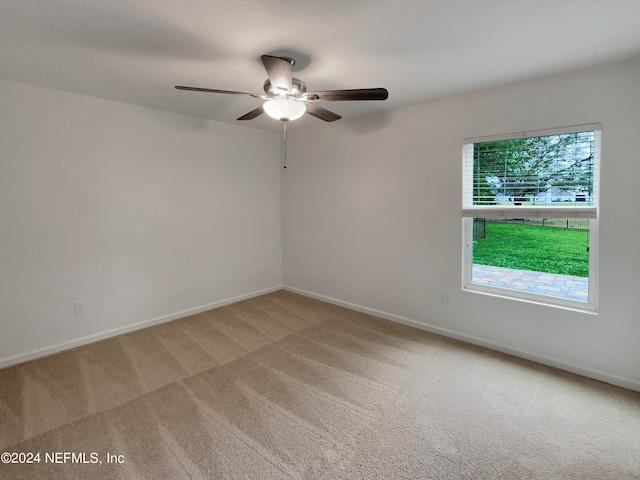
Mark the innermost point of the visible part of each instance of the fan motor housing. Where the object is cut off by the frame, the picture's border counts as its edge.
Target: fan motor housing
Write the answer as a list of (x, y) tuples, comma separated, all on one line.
[(298, 88)]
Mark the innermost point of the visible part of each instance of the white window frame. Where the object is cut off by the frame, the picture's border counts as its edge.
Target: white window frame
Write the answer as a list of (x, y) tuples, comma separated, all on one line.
[(470, 211)]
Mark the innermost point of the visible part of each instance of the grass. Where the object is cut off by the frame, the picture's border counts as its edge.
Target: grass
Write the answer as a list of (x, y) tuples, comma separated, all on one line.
[(539, 249)]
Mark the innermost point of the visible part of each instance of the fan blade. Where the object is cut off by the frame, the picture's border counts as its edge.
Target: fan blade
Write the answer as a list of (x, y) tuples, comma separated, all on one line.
[(321, 113), (279, 71), (342, 95), (210, 90), (252, 114)]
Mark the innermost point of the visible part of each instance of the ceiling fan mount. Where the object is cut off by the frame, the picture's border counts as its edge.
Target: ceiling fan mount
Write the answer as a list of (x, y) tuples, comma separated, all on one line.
[(286, 98)]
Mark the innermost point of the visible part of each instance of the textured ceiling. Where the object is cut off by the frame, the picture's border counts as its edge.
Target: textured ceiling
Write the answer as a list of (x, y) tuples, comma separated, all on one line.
[(135, 51)]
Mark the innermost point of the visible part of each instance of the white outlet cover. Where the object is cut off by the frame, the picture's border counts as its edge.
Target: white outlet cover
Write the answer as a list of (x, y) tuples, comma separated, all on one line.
[(78, 306)]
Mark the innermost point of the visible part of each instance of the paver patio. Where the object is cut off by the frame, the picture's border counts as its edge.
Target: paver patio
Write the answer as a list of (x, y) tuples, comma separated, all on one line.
[(564, 286)]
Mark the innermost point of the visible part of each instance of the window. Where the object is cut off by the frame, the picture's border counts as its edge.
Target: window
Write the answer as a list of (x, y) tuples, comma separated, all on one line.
[(530, 213)]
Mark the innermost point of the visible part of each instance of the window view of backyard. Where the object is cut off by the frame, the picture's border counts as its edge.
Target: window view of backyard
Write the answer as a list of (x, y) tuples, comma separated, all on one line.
[(552, 248), (552, 179), (539, 256)]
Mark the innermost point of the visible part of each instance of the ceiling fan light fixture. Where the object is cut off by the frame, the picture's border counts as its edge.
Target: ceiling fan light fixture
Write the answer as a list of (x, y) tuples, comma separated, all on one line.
[(284, 109), (286, 97)]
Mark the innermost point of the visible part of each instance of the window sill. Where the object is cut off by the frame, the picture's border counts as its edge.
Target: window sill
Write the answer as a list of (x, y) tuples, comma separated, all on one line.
[(537, 299)]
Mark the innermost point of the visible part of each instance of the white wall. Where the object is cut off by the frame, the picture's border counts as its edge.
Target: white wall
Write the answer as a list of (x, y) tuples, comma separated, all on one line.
[(145, 215), (371, 216)]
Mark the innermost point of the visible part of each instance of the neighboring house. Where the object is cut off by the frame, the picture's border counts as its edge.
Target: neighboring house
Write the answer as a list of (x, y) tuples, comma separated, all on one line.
[(555, 195)]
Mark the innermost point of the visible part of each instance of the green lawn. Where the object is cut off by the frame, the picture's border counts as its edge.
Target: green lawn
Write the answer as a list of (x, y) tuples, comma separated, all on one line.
[(539, 249)]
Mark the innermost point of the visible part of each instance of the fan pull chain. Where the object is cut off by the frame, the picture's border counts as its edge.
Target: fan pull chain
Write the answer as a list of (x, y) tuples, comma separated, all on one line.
[(284, 143)]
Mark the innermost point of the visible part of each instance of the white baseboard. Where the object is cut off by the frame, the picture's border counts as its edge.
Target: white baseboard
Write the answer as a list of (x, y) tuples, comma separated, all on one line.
[(51, 349), (445, 332)]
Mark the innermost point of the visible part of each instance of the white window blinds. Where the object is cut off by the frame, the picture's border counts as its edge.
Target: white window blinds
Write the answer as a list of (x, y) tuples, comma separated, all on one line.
[(543, 174)]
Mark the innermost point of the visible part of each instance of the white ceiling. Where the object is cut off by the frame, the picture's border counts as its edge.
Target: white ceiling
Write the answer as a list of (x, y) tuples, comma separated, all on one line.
[(135, 51)]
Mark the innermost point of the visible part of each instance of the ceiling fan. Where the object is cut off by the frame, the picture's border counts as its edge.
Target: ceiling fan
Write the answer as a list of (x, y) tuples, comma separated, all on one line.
[(286, 98)]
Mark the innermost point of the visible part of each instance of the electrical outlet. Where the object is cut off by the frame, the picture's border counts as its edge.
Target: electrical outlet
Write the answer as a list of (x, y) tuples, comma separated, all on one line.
[(78, 306), (260, 269), (446, 299)]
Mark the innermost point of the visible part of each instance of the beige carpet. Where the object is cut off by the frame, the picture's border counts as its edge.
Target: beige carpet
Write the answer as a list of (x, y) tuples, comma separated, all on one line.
[(282, 386)]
